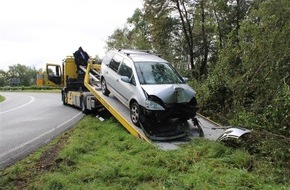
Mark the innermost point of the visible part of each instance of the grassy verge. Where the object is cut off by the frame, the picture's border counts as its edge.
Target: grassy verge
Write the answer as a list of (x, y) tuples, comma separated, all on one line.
[(2, 98), (31, 88), (102, 155), (36, 91)]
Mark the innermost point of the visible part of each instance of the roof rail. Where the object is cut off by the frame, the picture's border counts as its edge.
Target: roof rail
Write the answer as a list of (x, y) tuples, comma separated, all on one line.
[(150, 52), (146, 51), (122, 51), (137, 51)]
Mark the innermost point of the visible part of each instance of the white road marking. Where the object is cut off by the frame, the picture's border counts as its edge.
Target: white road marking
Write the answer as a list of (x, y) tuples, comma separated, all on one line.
[(31, 100), (38, 137)]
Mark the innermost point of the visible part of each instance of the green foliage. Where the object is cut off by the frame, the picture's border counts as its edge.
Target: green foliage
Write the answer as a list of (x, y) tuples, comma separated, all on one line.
[(249, 86), (215, 95), (140, 31), (119, 39), (135, 38), (263, 87), (31, 88), (3, 78), (25, 74)]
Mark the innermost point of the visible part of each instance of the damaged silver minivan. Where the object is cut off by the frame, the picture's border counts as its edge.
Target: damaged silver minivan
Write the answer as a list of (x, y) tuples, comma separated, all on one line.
[(148, 85)]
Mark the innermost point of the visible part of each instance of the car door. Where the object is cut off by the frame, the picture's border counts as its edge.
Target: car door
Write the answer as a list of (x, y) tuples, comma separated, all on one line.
[(111, 74), (125, 89)]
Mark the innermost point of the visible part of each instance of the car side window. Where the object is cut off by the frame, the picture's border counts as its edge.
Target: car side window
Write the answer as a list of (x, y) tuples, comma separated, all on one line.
[(115, 62), (125, 68), (107, 58)]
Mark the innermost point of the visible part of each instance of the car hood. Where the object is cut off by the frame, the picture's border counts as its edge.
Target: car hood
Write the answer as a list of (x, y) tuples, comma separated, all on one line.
[(170, 93)]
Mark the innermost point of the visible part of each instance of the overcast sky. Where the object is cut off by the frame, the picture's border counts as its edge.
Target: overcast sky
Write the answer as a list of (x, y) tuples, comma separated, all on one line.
[(36, 32)]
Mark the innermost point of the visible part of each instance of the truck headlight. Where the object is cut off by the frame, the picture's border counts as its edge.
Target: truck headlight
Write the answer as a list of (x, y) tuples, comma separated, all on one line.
[(151, 105)]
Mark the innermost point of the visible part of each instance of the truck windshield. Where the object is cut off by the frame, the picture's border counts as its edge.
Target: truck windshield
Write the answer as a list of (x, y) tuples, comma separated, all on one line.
[(157, 73)]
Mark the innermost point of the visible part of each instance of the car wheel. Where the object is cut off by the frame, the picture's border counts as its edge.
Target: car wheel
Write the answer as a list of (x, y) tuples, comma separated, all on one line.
[(135, 113), (105, 90)]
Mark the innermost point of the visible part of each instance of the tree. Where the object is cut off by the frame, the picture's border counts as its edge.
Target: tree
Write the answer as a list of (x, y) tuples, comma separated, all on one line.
[(24, 73), (3, 78), (140, 31), (163, 30), (119, 39), (256, 91), (134, 35), (265, 45), (186, 18)]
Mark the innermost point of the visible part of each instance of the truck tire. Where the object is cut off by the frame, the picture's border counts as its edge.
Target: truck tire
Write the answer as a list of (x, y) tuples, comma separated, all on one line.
[(63, 96), (83, 105)]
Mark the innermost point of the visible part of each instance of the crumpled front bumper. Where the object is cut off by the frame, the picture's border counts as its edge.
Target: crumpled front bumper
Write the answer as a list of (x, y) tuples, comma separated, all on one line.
[(233, 133), (181, 111)]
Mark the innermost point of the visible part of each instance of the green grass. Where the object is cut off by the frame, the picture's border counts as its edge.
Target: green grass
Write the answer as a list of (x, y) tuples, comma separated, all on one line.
[(31, 89), (2, 98), (102, 155), (35, 90)]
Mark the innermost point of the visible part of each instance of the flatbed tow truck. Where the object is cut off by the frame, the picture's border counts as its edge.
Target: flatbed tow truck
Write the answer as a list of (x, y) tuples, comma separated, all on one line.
[(82, 89)]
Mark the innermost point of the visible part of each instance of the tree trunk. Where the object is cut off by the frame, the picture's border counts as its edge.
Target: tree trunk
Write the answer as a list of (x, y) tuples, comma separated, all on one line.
[(187, 30), (203, 67)]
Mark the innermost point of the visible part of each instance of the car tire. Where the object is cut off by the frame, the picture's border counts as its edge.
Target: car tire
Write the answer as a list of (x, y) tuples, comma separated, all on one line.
[(105, 90), (135, 113)]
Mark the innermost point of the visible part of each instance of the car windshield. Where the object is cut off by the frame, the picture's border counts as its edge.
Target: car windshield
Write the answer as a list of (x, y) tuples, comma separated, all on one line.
[(157, 73)]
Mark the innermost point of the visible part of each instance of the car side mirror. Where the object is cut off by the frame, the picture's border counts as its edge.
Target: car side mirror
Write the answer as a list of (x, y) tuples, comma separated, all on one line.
[(125, 79), (185, 79)]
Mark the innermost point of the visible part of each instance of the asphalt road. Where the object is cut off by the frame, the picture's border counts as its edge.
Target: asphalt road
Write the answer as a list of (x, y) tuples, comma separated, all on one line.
[(30, 120)]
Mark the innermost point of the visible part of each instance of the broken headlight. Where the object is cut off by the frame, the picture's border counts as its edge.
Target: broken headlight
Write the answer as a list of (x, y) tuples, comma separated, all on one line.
[(151, 105)]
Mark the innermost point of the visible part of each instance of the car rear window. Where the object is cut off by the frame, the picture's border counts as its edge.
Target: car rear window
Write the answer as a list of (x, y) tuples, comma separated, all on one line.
[(115, 62), (107, 58)]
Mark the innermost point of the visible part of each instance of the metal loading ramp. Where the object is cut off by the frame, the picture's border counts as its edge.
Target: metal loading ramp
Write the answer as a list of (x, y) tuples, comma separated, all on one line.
[(116, 108)]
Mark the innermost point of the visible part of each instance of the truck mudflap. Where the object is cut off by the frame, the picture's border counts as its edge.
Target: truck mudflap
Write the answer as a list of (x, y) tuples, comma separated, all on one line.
[(171, 129)]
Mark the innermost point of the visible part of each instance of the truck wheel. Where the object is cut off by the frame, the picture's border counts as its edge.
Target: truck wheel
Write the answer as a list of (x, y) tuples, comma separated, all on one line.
[(105, 90), (135, 113), (63, 94), (83, 105)]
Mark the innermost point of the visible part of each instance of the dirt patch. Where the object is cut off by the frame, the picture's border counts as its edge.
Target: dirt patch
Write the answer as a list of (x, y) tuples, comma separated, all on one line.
[(49, 160)]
